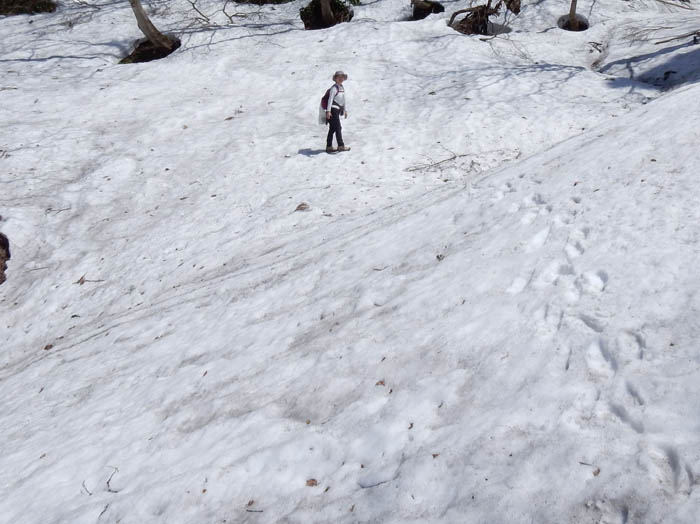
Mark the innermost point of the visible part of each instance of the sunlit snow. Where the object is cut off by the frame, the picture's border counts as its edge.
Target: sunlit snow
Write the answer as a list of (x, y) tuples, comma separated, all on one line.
[(487, 312)]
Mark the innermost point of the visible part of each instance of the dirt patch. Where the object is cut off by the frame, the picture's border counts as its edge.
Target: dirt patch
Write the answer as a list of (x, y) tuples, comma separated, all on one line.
[(565, 23), (498, 29), (26, 7), (4, 256), (145, 51), (262, 2), (313, 17), (423, 8)]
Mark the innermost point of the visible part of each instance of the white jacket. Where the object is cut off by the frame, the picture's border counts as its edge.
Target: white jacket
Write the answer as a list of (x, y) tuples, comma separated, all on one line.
[(336, 98)]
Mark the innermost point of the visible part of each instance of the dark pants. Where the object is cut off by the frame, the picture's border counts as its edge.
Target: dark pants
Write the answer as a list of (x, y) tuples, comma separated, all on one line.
[(335, 127)]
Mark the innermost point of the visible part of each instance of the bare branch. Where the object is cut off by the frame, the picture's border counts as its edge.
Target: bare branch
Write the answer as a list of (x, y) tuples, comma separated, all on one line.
[(103, 512), (204, 18), (109, 488), (680, 37), (674, 4), (86, 489), (468, 10)]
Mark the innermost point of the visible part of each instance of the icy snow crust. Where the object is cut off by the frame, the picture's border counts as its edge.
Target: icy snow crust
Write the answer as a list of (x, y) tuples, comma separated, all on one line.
[(489, 312)]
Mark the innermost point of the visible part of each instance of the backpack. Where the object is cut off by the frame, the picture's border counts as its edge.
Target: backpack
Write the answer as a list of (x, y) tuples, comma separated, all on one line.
[(324, 98)]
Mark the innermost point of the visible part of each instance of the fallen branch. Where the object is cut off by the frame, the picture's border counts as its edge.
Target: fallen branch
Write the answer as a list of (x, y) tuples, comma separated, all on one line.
[(673, 4), (680, 37), (82, 281), (421, 167)]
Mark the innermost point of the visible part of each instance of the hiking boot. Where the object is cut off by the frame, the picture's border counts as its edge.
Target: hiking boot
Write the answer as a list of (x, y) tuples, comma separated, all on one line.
[(330, 149), (343, 148)]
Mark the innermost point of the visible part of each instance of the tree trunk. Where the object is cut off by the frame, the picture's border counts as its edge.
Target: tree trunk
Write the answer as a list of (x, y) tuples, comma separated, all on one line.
[(154, 36), (573, 21), (327, 13)]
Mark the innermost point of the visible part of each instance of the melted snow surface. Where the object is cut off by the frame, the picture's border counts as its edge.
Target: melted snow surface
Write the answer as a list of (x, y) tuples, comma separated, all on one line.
[(489, 312)]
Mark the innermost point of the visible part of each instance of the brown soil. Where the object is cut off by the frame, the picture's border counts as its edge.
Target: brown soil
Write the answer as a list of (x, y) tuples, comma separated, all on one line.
[(26, 7), (145, 51)]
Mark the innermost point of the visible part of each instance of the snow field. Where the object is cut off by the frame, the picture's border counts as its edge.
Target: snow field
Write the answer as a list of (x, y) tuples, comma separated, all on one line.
[(506, 336)]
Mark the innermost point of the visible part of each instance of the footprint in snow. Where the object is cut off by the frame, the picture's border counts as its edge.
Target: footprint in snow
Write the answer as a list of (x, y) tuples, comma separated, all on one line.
[(548, 320), (501, 193), (517, 286), (630, 346), (621, 413), (609, 511), (538, 240), (534, 200), (553, 272), (574, 250), (529, 217), (576, 245), (599, 359), (593, 282), (591, 323), (663, 463), (634, 394), (536, 206)]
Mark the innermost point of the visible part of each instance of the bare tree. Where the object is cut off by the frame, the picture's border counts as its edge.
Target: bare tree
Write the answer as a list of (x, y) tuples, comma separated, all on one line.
[(158, 39), (573, 19), (327, 13)]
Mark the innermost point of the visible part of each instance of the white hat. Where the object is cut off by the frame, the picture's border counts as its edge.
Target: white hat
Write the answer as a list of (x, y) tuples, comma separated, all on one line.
[(340, 73)]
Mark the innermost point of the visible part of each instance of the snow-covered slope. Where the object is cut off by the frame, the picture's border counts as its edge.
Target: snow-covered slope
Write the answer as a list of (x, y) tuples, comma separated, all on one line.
[(488, 313)]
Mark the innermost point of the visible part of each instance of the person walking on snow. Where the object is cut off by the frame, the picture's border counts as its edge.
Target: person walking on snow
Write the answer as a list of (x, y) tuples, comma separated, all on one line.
[(335, 108)]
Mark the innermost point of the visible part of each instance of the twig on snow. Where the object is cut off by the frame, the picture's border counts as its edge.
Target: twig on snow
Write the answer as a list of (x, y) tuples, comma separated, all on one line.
[(57, 211), (420, 167), (204, 18), (231, 17), (86, 489), (109, 488)]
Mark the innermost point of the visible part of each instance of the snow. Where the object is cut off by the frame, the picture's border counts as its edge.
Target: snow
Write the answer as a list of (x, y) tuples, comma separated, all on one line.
[(488, 313)]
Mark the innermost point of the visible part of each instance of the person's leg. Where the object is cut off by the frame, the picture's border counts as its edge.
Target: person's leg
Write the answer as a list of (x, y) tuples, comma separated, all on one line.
[(329, 138), (335, 116)]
